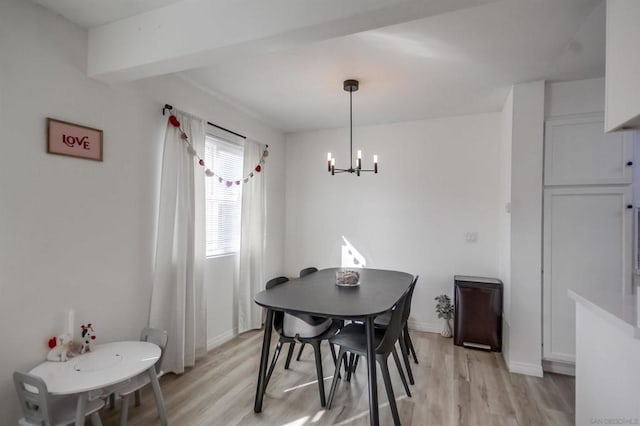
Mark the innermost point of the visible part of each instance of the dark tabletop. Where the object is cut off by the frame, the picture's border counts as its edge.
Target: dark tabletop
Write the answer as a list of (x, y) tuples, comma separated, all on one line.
[(318, 294)]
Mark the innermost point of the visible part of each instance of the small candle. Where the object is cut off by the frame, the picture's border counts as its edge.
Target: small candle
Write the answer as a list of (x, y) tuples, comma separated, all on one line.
[(375, 163), (333, 166), (70, 323), (329, 161), (359, 160)]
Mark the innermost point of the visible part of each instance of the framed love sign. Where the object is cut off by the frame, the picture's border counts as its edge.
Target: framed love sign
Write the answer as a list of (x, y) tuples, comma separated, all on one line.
[(73, 140)]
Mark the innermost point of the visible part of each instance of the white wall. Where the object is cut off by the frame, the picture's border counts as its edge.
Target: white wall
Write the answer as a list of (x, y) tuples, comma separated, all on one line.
[(438, 180), (574, 97), (506, 140), (77, 233), (525, 319)]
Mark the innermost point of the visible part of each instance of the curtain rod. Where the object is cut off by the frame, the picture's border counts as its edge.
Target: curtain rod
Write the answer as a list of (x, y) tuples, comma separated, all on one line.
[(170, 107)]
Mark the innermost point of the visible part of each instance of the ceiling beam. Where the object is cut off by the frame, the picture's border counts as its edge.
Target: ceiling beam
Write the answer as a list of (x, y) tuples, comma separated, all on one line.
[(195, 33)]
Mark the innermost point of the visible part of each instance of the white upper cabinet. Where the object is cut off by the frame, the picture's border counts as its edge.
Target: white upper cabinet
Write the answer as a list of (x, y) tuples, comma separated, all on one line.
[(578, 152), (623, 65)]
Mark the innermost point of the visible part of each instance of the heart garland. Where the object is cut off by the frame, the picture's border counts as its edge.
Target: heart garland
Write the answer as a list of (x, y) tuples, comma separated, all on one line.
[(173, 120)]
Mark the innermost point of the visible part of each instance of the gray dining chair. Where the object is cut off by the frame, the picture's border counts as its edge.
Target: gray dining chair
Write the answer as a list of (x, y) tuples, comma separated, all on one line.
[(352, 338), (303, 273), (134, 386), (406, 345), (41, 409), (314, 341)]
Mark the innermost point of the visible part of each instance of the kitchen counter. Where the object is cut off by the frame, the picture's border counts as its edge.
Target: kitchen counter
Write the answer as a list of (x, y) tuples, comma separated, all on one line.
[(618, 309), (607, 354)]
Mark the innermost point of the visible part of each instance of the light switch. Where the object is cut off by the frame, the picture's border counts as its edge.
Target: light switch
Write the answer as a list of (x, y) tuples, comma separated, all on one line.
[(471, 237)]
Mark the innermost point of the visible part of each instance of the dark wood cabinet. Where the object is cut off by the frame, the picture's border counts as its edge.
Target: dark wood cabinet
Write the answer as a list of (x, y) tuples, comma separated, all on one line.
[(477, 321)]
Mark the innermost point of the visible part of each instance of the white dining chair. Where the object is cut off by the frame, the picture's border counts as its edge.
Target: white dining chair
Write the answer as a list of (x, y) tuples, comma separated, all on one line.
[(41, 409), (126, 389)]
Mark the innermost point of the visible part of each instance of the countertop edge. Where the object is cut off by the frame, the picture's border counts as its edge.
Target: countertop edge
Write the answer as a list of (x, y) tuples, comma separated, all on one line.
[(606, 314)]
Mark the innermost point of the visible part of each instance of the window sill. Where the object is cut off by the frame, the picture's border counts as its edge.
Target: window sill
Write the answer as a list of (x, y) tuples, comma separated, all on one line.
[(217, 256)]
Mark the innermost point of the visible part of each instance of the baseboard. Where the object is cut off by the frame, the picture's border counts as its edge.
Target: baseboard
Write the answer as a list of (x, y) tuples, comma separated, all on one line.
[(559, 367), (524, 368), (220, 339), (428, 327)]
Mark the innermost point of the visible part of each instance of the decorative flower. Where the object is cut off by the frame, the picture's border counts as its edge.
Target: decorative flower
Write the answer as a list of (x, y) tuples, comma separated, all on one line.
[(258, 168), (201, 162), (209, 173)]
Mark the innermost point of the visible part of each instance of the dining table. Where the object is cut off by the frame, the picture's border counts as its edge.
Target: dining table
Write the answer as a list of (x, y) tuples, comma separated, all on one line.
[(105, 365), (318, 294)]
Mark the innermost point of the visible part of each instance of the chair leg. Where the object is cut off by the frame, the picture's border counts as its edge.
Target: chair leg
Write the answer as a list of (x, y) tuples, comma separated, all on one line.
[(410, 344), (396, 359), (405, 356), (318, 356), (333, 355), (276, 354), (336, 376), (384, 368), (350, 365), (112, 401), (136, 398), (300, 352), (124, 411), (289, 355), (95, 419)]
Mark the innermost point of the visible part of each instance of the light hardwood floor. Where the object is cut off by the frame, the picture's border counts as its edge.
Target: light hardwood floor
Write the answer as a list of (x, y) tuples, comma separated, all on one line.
[(454, 386)]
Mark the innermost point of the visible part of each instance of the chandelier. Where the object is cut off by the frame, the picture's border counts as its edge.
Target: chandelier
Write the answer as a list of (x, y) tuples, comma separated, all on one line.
[(351, 86)]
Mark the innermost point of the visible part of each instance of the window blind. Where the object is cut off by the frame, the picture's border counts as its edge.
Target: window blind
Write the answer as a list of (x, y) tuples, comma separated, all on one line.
[(223, 203)]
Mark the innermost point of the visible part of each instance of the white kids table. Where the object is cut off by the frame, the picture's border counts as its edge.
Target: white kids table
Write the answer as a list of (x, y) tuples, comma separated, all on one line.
[(106, 365)]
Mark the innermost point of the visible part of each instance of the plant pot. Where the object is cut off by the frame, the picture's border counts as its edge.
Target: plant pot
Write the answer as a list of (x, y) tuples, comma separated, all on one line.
[(446, 328)]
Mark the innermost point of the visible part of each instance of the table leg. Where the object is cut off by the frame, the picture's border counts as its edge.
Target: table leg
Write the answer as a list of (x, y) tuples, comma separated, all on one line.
[(371, 367), (81, 408), (157, 395), (264, 359)]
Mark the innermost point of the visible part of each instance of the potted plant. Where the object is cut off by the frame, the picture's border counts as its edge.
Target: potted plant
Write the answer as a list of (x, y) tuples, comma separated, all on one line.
[(444, 308)]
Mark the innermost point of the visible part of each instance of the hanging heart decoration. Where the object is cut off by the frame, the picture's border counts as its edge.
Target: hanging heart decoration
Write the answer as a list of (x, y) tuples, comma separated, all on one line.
[(175, 123), (173, 120)]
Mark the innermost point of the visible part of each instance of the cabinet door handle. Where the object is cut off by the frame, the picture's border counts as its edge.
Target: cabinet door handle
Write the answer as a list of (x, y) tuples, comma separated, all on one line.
[(629, 163), (629, 206)]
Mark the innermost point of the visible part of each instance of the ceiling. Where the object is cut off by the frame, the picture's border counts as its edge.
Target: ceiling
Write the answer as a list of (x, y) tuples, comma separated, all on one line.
[(92, 13), (461, 62)]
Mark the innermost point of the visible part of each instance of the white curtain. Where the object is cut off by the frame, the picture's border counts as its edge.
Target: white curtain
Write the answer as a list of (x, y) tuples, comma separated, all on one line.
[(178, 302), (252, 240)]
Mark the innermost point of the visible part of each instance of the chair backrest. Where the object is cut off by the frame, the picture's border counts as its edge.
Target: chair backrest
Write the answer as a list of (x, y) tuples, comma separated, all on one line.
[(307, 271), (159, 337), (275, 281), (34, 398), (278, 316), (407, 305), (393, 330)]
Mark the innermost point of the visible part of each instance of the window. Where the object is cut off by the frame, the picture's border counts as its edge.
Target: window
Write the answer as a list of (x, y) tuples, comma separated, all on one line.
[(223, 203)]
